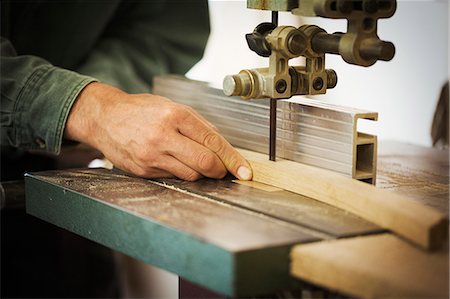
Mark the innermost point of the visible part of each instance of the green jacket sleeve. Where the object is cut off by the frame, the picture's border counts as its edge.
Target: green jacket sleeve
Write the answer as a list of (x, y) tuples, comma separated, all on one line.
[(148, 38), (142, 39), (36, 98)]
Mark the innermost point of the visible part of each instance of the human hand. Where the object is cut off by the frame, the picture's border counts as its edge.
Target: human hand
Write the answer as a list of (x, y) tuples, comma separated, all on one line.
[(151, 136)]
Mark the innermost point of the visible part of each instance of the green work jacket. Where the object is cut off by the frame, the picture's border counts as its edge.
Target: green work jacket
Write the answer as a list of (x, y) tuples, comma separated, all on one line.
[(50, 50)]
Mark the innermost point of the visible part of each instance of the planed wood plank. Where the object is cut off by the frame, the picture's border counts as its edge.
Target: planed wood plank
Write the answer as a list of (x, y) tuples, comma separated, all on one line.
[(260, 186), (422, 225), (376, 266)]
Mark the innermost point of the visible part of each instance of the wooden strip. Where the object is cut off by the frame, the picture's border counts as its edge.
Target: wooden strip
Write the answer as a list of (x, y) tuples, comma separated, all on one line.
[(376, 266), (420, 224), (260, 186)]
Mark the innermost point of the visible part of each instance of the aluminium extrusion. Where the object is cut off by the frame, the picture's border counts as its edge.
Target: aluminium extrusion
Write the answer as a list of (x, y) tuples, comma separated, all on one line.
[(308, 131)]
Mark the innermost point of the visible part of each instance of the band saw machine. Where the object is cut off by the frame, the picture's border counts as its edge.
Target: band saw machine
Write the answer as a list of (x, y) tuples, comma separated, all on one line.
[(250, 239)]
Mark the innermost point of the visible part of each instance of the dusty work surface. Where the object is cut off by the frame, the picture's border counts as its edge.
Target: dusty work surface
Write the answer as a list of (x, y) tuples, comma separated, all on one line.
[(282, 205), (419, 172), (231, 238)]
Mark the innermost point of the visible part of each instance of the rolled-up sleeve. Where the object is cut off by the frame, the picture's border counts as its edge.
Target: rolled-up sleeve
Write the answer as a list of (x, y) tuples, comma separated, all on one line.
[(36, 98)]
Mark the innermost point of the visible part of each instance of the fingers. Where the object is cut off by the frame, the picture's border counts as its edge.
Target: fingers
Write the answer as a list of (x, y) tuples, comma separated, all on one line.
[(209, 138), (155, 173), (153, 165), (145, 172), (197, 157), (199, 116), (180, 170), (167, 167)]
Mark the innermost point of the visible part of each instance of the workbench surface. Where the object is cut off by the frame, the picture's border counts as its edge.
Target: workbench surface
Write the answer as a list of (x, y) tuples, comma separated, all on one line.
[(231, 238)]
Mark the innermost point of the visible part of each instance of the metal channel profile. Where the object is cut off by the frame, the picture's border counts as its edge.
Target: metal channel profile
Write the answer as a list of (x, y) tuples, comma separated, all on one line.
[(308, 131)]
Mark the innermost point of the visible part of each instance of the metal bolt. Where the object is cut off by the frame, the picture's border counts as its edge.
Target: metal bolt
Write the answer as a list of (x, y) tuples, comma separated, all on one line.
[(281, 86), (318, 83)]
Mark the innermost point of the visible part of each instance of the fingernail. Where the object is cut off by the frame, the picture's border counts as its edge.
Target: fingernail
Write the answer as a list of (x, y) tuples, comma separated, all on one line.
[(244, 173)]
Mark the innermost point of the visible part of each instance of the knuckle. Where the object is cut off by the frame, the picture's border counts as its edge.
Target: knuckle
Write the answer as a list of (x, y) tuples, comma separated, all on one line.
[(171, 112), (146, 159), (153, 163), (152, 139), (142, 154), (185, 107), (213, 141), (189, 109), (184, 112), (191, 176), (206, 161), (141, 172), (160, 98), (158, 138)]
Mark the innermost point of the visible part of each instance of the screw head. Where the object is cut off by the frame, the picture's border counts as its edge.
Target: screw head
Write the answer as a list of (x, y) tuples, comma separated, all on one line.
[(281, 86), (318, 83)]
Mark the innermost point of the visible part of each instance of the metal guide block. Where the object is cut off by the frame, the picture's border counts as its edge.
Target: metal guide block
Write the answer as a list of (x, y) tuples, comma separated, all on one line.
[(309, 131)]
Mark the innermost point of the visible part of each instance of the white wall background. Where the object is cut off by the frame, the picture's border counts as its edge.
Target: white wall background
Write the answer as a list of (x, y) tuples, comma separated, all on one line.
[(404, 91)]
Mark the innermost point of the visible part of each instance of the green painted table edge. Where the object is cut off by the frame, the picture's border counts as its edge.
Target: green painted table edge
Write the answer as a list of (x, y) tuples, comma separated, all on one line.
[(229, 273)]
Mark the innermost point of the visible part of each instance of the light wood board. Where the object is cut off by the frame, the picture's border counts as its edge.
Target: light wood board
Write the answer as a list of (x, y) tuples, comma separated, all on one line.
[(418, 223), (421, 173), (377, 266)]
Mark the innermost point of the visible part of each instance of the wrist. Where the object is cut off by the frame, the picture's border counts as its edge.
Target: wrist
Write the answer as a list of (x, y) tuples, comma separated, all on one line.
[(87, 113)]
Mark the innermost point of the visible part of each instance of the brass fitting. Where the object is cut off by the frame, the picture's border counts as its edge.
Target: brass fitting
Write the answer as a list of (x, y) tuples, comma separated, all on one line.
[(281, 81), (253, 84)]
